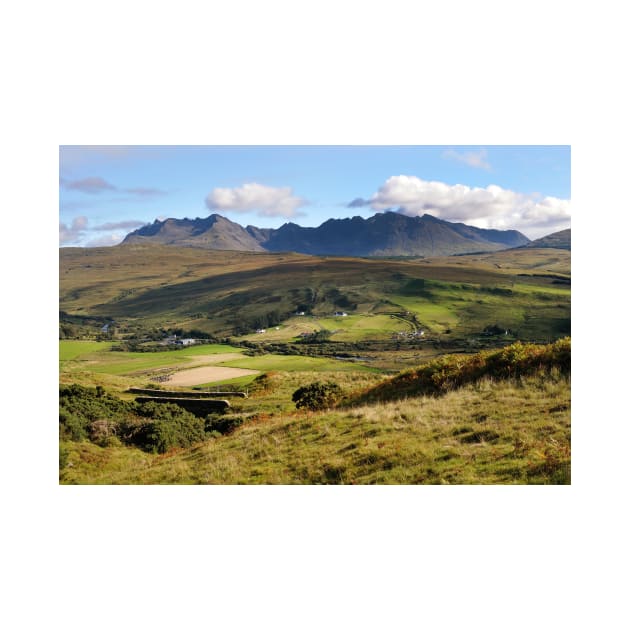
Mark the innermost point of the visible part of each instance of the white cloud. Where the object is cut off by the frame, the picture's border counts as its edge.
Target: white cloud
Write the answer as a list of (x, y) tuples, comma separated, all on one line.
[(72, 233), (476, 159), (265, 200), (120, 225), (78, 231), (107, 240), (490, 207)]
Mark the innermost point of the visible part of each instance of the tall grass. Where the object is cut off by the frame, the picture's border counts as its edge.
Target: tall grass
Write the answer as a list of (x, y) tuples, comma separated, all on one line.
[(452, 371), (498, 417), (514, 431)]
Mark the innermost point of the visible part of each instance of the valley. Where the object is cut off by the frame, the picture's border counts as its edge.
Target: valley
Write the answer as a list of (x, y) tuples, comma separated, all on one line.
[(266, 324)]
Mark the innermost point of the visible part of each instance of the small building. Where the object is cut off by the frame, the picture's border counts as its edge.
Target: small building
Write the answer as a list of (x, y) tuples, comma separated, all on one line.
[(185, 342)]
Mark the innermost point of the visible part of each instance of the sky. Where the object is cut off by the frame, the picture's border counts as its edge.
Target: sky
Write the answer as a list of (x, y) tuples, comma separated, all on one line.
[(105, 192)]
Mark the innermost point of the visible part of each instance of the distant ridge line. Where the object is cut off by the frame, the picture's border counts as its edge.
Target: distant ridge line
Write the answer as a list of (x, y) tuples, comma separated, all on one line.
[(383, 234)]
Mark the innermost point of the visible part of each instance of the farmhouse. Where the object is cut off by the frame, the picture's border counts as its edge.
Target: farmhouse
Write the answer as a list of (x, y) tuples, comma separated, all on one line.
[(185, 342), (173, 340), (408, 335)]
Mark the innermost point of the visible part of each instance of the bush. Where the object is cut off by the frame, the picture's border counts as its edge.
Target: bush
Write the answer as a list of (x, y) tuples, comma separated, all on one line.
[(166, 426), (263, 383), (63, 455), (319, 336), (72, 427), (317, 396), (222, 424), (86, 413)]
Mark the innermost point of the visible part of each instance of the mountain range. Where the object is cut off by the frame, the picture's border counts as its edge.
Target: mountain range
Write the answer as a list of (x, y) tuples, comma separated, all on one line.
[(384, 234)]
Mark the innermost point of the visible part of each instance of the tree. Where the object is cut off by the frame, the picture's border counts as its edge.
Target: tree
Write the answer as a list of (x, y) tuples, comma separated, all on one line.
[(316, 396)]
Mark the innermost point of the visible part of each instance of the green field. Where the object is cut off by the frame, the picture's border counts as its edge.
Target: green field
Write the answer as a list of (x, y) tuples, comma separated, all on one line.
[(103, 359), (97, 358), (73, 350), (365, 326), (284, 363), (95, 362)]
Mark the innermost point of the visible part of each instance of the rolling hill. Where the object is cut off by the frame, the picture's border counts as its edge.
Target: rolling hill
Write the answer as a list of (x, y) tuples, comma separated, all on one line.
[(557, 240), (223, 292)]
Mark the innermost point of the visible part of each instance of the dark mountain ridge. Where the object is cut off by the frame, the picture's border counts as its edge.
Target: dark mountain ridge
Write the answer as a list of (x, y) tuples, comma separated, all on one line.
[(384, 234)]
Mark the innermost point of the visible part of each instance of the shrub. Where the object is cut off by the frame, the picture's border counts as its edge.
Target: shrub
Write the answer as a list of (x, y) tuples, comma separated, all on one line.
[(72, 427), (317, 396), (84, 412), (264, 383), (101, 431), (166, 426), (63, 455), (319, 336), (222, 424)]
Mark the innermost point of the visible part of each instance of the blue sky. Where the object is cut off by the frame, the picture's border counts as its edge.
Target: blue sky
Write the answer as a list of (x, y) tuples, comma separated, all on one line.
[(107, 191)]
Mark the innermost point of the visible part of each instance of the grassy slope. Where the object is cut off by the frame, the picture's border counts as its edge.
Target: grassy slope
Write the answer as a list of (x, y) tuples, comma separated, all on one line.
[(513, 432), (165, 286), (75, 350), (508, 432)]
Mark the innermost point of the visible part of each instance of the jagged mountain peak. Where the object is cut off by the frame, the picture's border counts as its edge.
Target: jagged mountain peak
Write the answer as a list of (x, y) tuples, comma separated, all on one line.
[(383, 234)]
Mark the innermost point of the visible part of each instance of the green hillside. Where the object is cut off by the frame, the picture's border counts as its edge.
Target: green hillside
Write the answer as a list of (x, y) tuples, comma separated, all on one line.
[(441, 364), (482, 430), (235, 293)]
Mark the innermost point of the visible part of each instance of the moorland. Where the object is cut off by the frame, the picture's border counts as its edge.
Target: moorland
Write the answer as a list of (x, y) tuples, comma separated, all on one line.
[(452, 369)]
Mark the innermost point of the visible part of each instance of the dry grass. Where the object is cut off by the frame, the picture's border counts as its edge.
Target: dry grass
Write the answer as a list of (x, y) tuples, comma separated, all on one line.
[(506, 432), (218, 291)]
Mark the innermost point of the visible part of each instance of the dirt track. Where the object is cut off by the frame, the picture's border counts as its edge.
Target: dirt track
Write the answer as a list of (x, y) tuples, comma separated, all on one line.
[(208, 374)]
